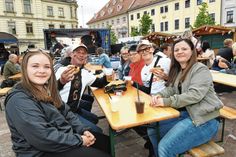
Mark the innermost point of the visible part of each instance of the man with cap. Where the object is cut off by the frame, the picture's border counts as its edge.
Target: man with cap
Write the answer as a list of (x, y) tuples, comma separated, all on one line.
[(72, 85), (103, 58)]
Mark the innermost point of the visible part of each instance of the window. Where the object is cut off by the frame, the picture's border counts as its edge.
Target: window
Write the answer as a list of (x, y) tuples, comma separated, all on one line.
[(153, 27), (9, 5), (138, 15), (51, 26), (62, 26), (176, 24), (162, 26), (124, 19), (103, 25), (107, 23), (230, 15), (166, 26), (145, 12), (50, 10), (12, 27), (61, 12), (27, 6), (131, 17), (166, 9), (99, 25), (112, 22), (153, 12), (176, 6), (29, 28), (187, 3), (118, 21), (187, 22), (213, 16), (211, 1), (161, 10), (199, 2)]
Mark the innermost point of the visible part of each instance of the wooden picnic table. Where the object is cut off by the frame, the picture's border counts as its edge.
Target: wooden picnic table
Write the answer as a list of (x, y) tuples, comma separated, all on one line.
[(16, 76), (126, 116), (223, 78), (93, 67)]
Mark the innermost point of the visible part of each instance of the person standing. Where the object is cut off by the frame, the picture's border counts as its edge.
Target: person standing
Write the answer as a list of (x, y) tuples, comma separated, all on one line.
[(41, 125), (191, 91)]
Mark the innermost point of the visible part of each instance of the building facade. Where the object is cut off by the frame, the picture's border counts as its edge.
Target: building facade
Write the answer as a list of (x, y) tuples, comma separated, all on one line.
[(26, 19), (168, 16), (115, 15), (172, 16), (228, 11)]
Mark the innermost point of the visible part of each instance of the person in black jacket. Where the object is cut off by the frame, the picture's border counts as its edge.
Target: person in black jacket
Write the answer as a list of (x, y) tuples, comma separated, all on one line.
[(41, 124)]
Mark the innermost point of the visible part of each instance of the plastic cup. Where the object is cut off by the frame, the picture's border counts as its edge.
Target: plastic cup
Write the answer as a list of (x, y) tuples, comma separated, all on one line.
[(128, 80), (139, 105), (109, 74), (114, 103)]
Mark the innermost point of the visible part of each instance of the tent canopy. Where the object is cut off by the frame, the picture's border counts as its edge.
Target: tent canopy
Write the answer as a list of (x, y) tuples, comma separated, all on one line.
[(7, 38)]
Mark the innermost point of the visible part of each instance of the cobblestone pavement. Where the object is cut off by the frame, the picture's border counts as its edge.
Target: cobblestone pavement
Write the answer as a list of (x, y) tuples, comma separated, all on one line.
[(126, 147)]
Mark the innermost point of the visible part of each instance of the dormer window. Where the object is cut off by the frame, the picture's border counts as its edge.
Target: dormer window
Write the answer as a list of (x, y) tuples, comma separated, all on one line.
[(119, 7), (95, 16), (114, 2), (110, 10), (107, 5), (102, 13)]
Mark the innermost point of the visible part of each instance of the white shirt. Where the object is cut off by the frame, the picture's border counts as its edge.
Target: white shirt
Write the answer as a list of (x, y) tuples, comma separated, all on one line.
[(87, 79), (157, 83)]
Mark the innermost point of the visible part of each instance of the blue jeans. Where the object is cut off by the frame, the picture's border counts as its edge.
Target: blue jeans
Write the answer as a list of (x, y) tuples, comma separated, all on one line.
[(89, 124), (179, 135)]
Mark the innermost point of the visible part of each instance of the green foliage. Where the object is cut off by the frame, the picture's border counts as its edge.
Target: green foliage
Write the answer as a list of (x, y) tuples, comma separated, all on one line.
[(134, 31), (112, 36), (203, 17), (145, 24)]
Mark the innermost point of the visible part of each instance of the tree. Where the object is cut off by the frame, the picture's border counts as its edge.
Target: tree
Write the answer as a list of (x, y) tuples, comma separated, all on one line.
[(203, 17), (134, 31), (145, 24), (113, 36)]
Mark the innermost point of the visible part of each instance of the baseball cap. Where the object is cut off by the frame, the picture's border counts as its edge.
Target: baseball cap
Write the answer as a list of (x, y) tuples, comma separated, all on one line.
[(144, 44), (78, 46)]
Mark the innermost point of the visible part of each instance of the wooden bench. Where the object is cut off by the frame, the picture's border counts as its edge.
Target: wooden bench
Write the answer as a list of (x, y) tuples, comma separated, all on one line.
[(209, 149), (226, 113), (3, 92)]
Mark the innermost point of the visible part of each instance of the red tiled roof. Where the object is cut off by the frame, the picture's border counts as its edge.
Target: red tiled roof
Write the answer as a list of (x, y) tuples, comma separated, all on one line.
[(112, 8), (142, 3)]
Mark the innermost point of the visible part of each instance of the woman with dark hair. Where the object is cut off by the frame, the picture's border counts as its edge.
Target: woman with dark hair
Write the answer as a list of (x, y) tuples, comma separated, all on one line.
[(41, 124), (208, 53), (190, 90)]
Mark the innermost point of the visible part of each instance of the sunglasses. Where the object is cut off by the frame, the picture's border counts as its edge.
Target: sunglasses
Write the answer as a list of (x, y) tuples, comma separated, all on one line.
[(34, 50)]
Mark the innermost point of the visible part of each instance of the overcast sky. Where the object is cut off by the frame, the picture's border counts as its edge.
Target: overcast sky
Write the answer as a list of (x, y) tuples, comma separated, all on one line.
[(87, 9)]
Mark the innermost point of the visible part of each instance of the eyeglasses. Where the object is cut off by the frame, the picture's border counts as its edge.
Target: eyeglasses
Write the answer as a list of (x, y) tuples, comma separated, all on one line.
[(146, 50), (125, 54)]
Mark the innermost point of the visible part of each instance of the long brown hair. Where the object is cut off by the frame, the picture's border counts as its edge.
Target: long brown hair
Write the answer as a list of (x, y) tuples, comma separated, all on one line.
[(175, 67), (50, 94)]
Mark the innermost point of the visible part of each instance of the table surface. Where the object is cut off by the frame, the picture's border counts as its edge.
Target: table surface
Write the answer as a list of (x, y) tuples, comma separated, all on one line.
[(16, 76), (222, 78), (126, 116)]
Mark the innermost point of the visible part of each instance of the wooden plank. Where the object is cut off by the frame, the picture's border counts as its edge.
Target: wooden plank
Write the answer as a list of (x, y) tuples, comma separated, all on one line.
[(228, 113), (222, 78), (209, 149), (4, 91)]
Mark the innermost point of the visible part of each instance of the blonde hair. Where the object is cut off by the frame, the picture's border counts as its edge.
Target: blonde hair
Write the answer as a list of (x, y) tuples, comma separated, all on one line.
[(234, 46), (227, 42)]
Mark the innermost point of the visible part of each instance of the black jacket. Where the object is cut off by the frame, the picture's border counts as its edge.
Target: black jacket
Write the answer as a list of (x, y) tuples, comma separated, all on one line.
[(38, 127)]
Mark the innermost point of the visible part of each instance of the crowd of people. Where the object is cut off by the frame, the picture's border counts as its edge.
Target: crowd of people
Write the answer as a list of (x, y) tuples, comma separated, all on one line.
[(53, 114)]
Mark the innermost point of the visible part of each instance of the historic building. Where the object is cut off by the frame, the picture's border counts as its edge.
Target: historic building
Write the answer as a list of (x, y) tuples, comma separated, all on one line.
[(26, 19), (114, 14), (228, 11), (169, 16)]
